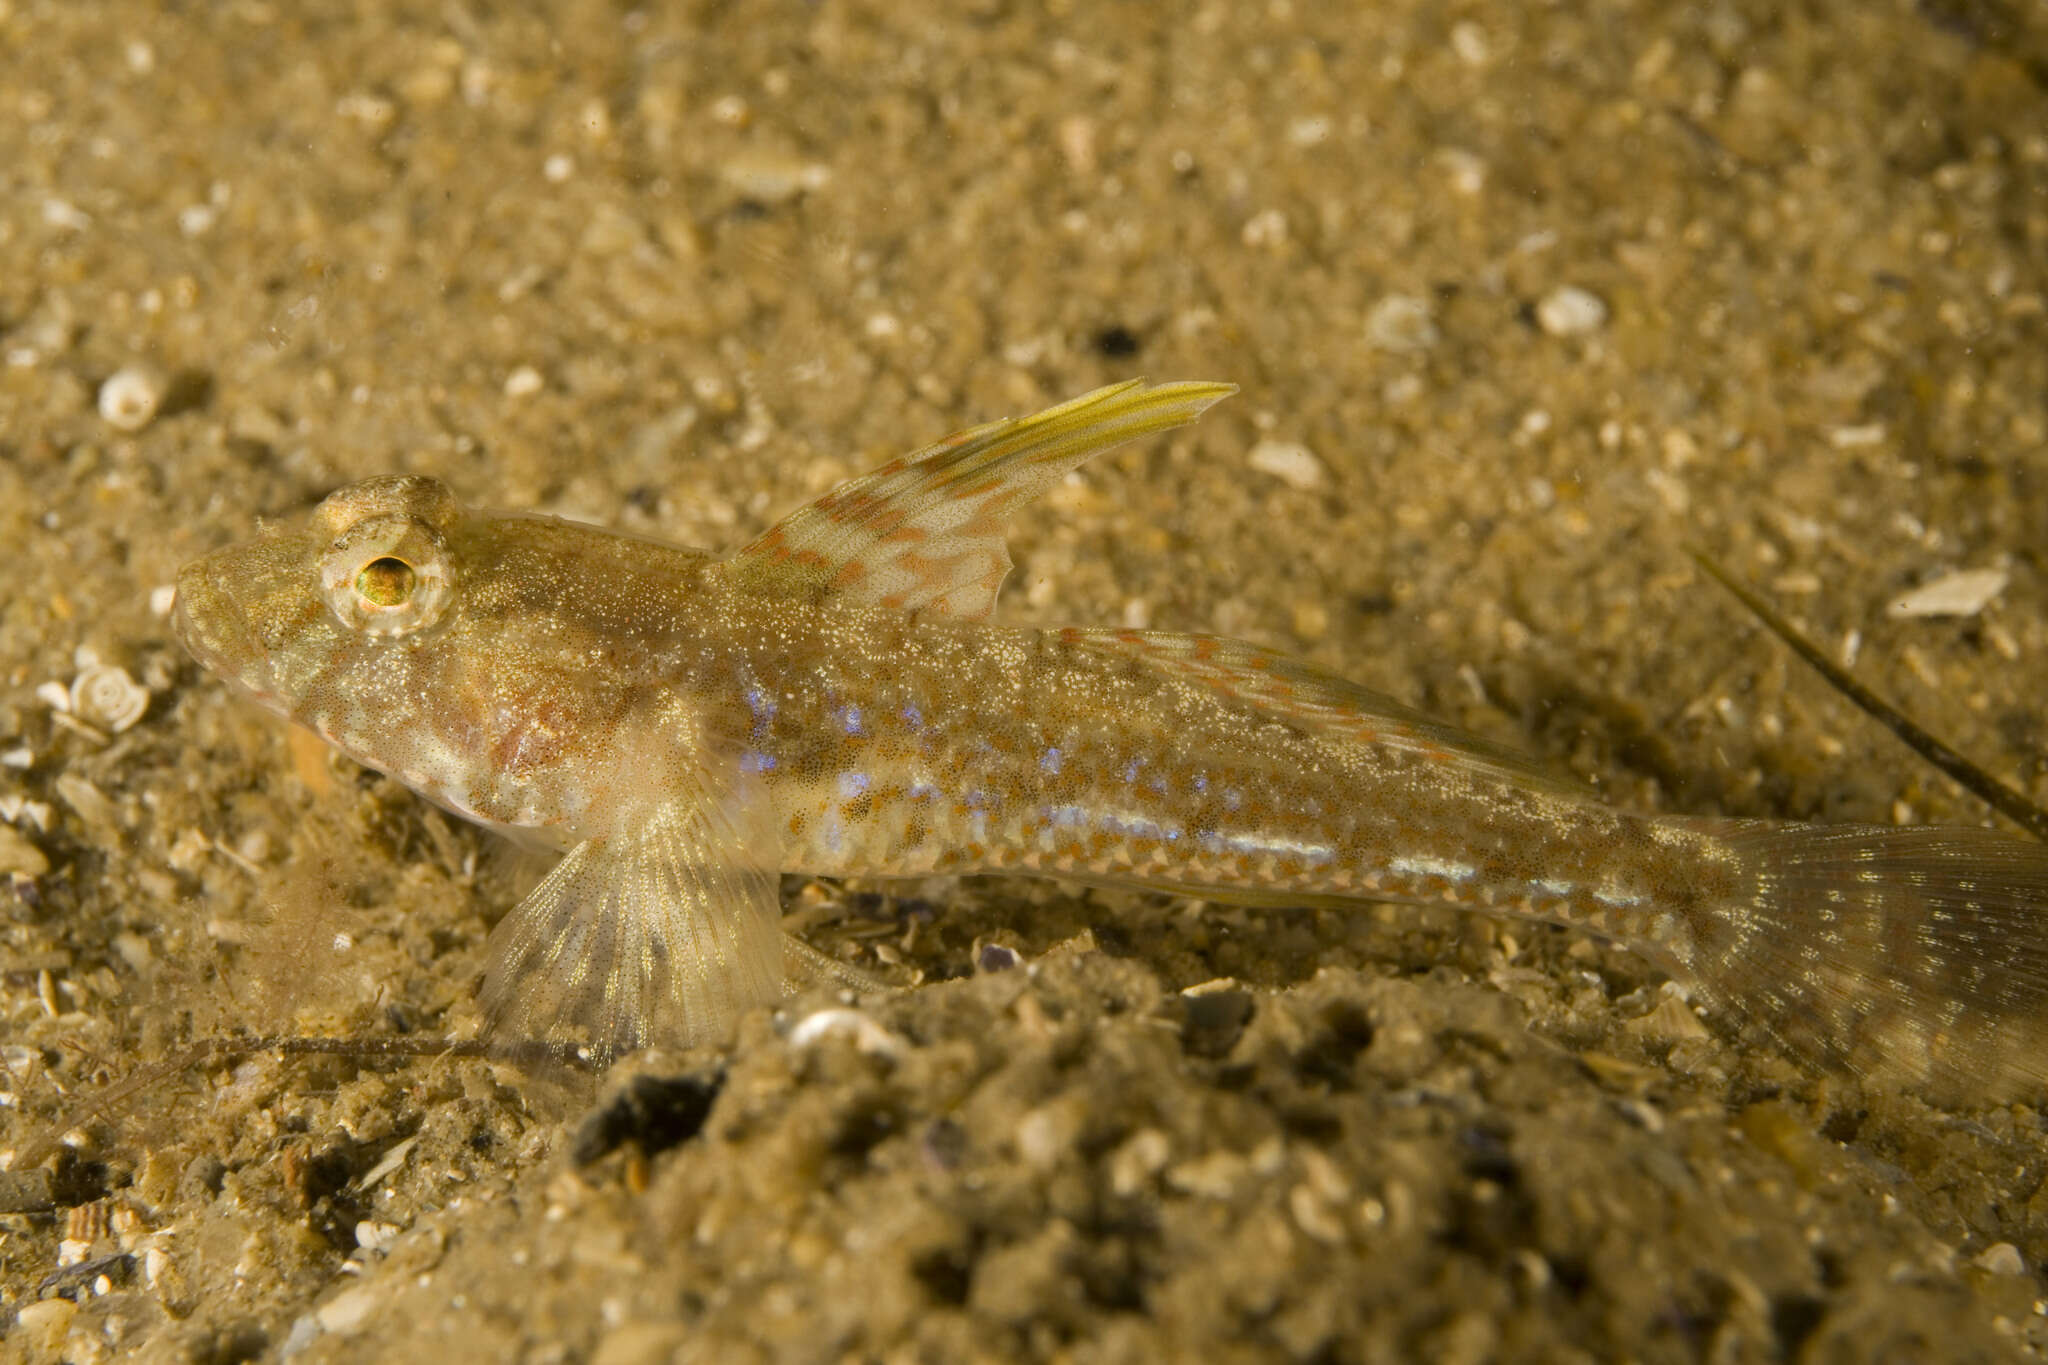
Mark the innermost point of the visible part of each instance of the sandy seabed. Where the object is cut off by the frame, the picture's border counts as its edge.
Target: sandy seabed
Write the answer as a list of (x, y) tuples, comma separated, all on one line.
[(1524, 300)]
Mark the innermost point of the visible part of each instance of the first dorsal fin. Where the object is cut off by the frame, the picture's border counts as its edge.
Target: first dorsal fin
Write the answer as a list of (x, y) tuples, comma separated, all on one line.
[(926, 531)]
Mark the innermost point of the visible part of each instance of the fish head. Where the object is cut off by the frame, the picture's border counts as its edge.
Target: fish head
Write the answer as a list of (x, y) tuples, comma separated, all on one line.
[(516, 669), (350, 624)]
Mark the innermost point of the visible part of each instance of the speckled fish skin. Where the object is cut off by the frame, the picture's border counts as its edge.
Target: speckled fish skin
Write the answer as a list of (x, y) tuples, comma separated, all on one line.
[(831, 700)]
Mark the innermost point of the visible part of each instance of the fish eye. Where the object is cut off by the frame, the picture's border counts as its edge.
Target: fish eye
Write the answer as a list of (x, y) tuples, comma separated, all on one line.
[(388, 576), (386, 581)]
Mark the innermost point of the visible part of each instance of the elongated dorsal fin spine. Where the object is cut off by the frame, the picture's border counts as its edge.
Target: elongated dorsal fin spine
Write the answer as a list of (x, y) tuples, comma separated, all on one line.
[(925, 532)]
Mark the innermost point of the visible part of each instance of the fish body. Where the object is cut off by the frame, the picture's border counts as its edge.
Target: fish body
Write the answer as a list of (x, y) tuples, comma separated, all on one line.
[(832, 700)]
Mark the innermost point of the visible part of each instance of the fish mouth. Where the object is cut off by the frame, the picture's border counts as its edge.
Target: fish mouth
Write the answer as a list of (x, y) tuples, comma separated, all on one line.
[(211, 622)]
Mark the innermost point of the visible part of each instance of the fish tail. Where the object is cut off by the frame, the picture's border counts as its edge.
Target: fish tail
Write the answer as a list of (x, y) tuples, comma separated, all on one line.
[(1914, 958)]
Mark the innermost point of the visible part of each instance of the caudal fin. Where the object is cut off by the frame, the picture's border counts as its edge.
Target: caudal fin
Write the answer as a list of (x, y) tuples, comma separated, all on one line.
[(1906, 957)]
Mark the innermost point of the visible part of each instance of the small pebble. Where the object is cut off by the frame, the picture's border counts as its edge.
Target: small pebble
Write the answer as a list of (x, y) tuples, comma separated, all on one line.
[(1311, 131), (771, 178), (1076, 135), (45, 1321), (994, 957), (1857, 437), (1469, 41), (1046, 1136), (523, 382), (2001, 1258), (17, 854), (349, 1310), (131, 396), (1401, 323), (1266, 228), (90, 803), (62, 213), (1143, 1155), (305, 1331), (1467, 172), (1569, 311), (14, 808)]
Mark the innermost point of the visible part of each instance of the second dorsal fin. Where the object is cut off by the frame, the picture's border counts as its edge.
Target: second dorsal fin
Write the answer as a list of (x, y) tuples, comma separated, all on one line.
[(1289, 690), (926, 531)]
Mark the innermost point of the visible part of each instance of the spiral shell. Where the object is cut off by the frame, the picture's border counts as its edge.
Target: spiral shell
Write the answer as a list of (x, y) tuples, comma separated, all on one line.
[(130, 397), (104, 695)]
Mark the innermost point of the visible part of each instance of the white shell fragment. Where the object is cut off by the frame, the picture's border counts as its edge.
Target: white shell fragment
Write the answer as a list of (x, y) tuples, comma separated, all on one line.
[(373, 1236), (104, 695), (1401, 323), (1569, 311), (1291, 462), (1963, 593), (130, 397), (866, 1035)]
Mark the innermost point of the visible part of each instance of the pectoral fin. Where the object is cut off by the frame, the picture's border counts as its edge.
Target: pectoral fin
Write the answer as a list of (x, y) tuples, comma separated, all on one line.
[(926, 531), (662, 935)]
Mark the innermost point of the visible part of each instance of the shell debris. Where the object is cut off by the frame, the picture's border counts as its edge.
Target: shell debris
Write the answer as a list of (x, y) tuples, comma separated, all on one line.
[(18, 855), (131, 396), (1291, 462), (1401, 323), (1569, 311), (1962, 593), (103, 695)]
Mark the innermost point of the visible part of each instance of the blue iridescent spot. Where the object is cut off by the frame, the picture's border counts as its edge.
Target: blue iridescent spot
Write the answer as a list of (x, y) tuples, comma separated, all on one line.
[(1049, 761), (852, 785), (1068, 816), (850, 718)]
